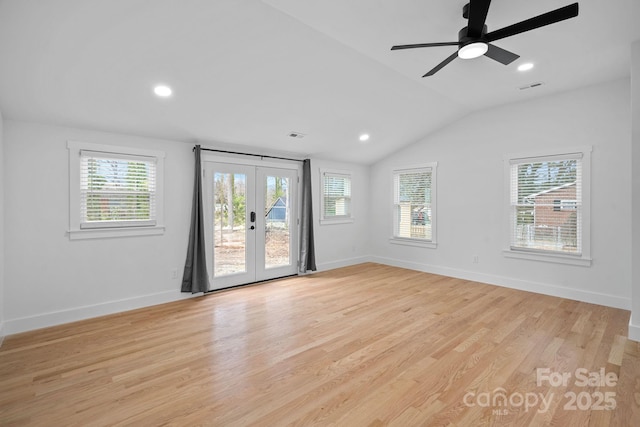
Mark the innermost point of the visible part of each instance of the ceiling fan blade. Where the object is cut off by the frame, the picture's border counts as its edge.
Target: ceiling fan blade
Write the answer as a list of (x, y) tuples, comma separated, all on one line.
[(548, 18), (441, 65), (502, 56), (478, 10), (413, 46)]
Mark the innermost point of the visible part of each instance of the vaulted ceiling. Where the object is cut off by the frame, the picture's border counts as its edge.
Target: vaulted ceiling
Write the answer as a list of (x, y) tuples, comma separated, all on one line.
[(249, 72)]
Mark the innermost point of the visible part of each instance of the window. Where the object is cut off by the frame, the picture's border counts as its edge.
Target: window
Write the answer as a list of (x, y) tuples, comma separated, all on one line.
[(414, 213), (335, 203), (114, 191), (549, 206)]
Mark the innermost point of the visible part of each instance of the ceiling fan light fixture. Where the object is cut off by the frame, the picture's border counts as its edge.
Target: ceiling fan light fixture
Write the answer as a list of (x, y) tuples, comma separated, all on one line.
[(473, 50)]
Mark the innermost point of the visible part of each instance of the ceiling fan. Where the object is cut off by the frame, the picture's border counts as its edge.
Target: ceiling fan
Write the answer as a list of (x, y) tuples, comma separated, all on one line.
[(474, 40)]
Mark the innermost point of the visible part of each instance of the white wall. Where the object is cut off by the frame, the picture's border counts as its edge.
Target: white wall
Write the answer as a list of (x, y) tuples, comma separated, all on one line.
[(470, 205), (634, 323), (2, 300), (50, 279), (338, 245)]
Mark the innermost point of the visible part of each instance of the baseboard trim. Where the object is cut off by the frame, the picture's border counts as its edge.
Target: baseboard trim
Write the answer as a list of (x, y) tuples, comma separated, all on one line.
[(14, 326), (508, 282), (332, 265), (24, 324), (29, 323), (634, 330)]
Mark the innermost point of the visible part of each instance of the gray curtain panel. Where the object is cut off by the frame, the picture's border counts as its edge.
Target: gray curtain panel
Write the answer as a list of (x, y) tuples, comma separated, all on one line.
[(307, 249), (195, 277)]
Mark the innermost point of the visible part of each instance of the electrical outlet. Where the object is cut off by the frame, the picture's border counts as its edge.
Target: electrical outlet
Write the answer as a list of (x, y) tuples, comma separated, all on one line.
[(174, 273), (476, 259)]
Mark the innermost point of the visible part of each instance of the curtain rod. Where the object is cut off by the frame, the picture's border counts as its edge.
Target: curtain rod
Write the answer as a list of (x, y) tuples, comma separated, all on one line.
[(249, 154)]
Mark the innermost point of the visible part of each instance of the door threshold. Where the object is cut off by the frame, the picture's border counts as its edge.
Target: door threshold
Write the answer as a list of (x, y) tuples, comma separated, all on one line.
[(249, 284)]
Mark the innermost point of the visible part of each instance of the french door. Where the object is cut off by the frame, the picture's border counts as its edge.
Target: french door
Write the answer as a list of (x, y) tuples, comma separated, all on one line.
[(251, 223)]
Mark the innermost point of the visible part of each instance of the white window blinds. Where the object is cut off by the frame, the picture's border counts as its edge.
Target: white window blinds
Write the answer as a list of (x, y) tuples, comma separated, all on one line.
[(546, 204), (336, 196), (412, 202), (117, 190)]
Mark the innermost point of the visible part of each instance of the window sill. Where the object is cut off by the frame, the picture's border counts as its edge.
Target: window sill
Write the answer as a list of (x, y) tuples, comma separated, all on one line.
[(413, 242), (105, 233), (547, 257), (337, 221)]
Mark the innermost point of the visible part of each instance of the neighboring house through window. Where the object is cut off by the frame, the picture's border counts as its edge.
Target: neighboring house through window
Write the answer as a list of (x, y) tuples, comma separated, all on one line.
[(114, 191), (414, 209), (549, 206)]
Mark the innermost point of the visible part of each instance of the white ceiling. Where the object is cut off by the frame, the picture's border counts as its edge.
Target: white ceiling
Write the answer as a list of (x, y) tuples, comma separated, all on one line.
[(248, 72)]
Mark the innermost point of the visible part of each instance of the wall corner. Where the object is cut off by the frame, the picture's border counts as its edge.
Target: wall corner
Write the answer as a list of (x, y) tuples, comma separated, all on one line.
[(634, 328)]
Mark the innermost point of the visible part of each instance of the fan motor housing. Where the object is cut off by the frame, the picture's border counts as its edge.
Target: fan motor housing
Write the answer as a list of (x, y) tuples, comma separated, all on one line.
[(464, 40)]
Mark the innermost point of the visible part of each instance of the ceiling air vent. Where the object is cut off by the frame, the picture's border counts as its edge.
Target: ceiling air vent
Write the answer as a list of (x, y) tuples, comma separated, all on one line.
[(298, 135), (532, 85)]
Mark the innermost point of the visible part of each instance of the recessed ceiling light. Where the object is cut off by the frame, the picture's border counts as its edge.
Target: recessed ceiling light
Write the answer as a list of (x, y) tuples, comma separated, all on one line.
[(162, 91), (364, 137), (473, 50), (525, 67)]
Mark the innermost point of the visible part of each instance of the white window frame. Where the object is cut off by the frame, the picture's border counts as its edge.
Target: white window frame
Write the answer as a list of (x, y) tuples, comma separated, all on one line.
[(582, 259), (76, 231), (336, 219), (407, 241)]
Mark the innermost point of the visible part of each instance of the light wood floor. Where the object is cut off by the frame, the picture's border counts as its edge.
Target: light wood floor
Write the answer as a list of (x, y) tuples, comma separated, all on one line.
[(368, 345)]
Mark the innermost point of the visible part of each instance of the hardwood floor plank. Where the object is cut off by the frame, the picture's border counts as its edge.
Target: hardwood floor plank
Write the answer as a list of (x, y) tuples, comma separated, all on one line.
[(365, 345)]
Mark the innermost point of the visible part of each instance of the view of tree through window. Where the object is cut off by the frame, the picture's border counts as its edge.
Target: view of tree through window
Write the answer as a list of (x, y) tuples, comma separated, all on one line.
[(275, 188), (230, 216), (230, 199), (277, 212), (116, 190)]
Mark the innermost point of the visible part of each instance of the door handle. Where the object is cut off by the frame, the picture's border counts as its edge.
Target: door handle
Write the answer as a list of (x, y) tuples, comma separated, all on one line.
[(253, 217)]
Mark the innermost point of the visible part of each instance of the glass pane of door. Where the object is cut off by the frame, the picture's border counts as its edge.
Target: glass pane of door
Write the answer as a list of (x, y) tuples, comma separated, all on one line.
[(229, 228), (251, 223), (276, 240), (277, 213)]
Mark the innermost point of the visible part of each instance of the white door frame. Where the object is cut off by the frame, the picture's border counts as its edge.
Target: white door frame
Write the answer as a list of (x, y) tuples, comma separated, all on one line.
[(255, 238)]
